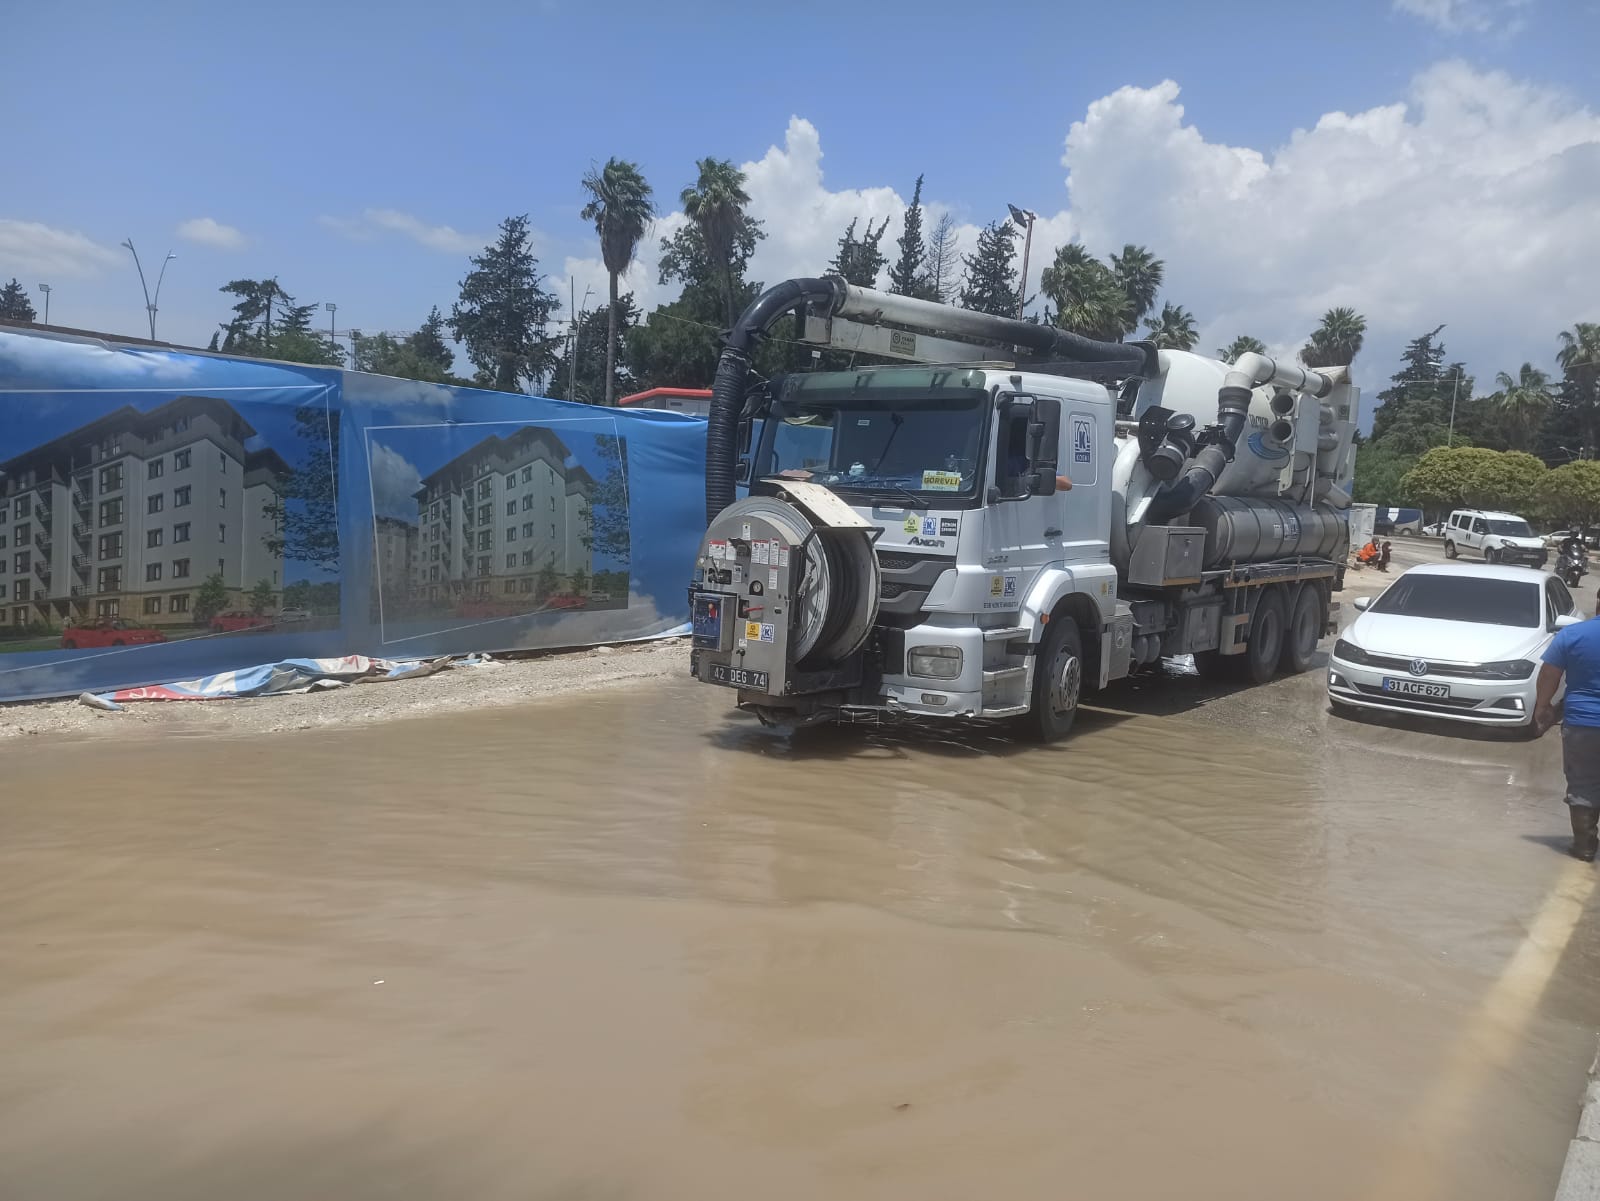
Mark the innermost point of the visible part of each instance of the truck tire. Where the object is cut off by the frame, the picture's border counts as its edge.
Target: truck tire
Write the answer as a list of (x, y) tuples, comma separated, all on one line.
[(1057, 684), (1303, 632), (1259, 662), (1449, 549)]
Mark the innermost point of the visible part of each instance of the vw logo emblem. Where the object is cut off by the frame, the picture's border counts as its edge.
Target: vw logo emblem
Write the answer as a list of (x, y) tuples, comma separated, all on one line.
[(1419, 667)]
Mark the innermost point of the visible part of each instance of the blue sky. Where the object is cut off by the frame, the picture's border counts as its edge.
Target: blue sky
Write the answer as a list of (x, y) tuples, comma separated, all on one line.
[(359, 151)]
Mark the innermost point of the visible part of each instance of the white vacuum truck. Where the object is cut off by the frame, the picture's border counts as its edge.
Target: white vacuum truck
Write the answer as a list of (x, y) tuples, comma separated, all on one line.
[(990, 539)]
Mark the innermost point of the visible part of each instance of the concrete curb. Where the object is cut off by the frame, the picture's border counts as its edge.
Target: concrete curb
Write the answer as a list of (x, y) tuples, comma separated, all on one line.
[(1580, 1175)]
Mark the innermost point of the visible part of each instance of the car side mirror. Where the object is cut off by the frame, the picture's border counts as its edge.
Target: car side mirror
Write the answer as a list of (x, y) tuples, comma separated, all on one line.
[(1565, 620), (1361, 603)]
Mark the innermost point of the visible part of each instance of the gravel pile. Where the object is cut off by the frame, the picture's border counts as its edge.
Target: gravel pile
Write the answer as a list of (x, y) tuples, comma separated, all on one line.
[(501, 682)]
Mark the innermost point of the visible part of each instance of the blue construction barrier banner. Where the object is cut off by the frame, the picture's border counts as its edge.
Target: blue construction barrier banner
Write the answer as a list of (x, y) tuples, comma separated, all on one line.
[(167, 515)]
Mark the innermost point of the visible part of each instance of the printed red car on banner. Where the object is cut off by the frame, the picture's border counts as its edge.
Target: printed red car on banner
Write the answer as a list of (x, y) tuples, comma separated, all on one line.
[(108, 631)]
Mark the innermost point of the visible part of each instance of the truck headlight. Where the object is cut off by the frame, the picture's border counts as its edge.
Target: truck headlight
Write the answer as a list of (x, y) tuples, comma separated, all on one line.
[(934, 662)]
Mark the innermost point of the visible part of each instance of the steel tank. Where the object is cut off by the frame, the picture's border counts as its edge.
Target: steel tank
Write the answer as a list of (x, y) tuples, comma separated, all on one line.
[(1241, 529)]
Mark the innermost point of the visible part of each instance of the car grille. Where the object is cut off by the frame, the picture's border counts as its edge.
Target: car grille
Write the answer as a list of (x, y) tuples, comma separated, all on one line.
[(1459, 671)]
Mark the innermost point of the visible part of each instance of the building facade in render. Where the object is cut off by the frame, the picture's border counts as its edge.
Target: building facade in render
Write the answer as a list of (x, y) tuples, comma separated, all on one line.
[(394, 544), (499, 517), (128, 515)]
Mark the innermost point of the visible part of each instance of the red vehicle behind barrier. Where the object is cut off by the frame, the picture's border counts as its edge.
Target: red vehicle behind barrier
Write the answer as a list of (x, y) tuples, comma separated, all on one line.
[(108, 631), (228, 623)]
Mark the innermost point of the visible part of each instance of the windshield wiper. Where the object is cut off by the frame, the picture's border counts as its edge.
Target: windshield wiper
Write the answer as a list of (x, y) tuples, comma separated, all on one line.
[(895, 492)]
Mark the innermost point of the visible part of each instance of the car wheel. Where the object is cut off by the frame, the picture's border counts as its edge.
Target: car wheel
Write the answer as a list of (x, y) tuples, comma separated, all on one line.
[(1259, 662), (1491, 555), (1449, 550), (1057, 684), (1303, 633)]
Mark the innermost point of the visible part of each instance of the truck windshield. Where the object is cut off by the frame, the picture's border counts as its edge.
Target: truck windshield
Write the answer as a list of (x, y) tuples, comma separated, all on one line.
[(1462, 598), (932, 447), (1515, 528)]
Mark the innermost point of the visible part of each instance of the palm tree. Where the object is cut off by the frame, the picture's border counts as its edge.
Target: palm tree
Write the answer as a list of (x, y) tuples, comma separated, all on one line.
[(1337, 341), (619, 205), (1139, 273), (1173, 329), (716, 203), (1579, 357), (1088, 297), (1525, 400), (1243, 344)]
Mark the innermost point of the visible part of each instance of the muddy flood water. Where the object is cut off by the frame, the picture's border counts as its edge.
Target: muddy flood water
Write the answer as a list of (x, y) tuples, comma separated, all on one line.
[(627, 945)]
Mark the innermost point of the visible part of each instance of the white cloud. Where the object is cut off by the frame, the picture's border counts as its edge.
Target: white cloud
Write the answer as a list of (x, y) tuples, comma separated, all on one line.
[(374, 221), (1466, 16), (31, 248), (209, 232), (1470, 204), (395, 480)]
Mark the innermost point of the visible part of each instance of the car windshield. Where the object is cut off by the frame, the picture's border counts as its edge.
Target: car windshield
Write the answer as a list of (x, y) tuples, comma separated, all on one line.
[(1462, 598), (922, 447), (1514, 527)]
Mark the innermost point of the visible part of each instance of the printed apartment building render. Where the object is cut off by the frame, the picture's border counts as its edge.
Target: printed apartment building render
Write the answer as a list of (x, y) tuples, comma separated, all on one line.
[(126, 516), (498, 517)]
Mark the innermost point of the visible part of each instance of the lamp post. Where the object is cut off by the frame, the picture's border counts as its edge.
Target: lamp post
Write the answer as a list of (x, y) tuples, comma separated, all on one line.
[(1024, 220), (45, 288), (149, 303), (332, 309)]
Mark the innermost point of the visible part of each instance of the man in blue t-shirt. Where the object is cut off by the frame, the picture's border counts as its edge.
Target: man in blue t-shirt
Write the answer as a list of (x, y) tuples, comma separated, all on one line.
[(1575, 653)]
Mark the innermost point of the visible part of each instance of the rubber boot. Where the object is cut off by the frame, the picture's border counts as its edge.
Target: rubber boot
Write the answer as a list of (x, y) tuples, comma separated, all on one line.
[(1585, 831)]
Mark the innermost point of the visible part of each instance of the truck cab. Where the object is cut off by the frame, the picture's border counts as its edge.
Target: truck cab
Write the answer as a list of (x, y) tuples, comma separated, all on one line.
[(987, 491)]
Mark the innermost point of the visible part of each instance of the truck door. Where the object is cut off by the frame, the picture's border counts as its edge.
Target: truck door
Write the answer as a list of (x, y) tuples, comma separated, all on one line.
[(1480, 530), (1020, 530)]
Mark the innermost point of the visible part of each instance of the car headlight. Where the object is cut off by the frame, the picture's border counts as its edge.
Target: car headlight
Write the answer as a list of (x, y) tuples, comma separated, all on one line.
[(935, 662), (1349, 652), (1509, 669)]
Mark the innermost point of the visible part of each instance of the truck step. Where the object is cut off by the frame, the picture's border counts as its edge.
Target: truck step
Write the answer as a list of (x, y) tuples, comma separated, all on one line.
[(1005, 635), (1001, 674)]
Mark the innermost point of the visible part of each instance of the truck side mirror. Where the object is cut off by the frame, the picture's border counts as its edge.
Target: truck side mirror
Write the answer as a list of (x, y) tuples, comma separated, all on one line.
[(1044, 445)]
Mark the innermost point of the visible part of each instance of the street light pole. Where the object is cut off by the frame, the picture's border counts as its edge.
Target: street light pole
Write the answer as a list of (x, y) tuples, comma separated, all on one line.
[(45, 288), (1450, 439), (149, 304), (156, 300), (1025, 220)]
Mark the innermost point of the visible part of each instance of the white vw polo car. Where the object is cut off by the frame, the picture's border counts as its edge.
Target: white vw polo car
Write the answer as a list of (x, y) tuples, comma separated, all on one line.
[(1460, 642)]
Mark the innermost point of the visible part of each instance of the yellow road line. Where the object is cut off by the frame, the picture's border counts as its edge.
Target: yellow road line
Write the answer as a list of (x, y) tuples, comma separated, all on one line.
[(1488, 1042)]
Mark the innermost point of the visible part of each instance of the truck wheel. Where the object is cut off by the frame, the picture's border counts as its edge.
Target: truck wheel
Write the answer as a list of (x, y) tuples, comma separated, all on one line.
[(1057, 684), (1449, 550), (1303, 633), (1259, 662)]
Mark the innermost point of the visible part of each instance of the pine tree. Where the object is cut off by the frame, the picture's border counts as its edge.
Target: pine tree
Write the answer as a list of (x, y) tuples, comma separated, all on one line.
[(15, 305), (503, 314), (991, 283), (860, 260), (943, 260), (908, 276)]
